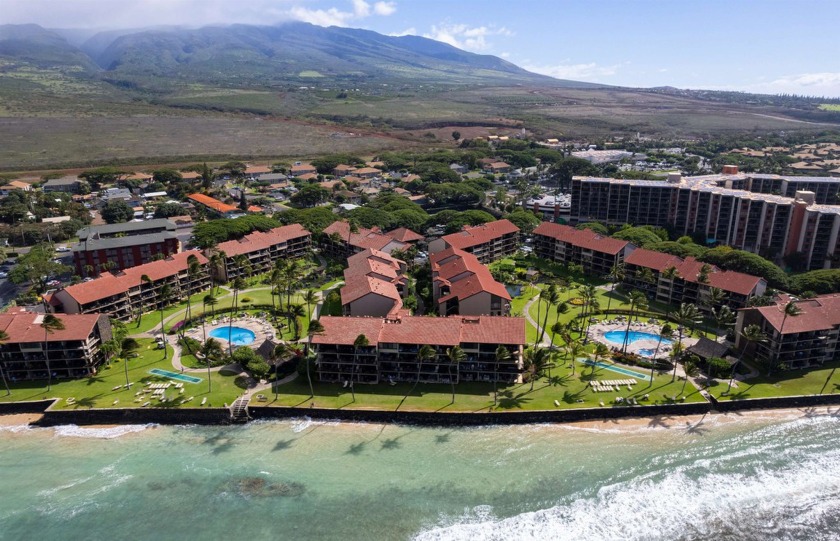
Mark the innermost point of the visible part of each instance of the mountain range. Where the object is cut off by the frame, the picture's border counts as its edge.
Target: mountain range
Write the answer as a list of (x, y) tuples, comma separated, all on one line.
[(243, 55)]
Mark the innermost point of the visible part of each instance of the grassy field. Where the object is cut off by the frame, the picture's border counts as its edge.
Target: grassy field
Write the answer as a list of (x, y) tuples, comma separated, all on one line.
[(786, 383), (830, 107), (570, 390), (100, 390)]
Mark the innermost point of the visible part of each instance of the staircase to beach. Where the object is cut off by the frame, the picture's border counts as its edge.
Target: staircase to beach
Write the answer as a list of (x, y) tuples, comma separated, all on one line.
[(239, 410)]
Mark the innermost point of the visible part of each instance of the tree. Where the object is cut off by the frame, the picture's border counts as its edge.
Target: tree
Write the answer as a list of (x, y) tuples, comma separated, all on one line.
[(751, 334), (425, 354), (168, 210), (117, 211), (456, 135), (310, 195), (616, 276), (665, 333), (50, 324), (361, 341), (686, 316), (167, 176), (315, 327), (37, 266), (502, 356), (724, 317), (237, 286), (574, 349), (789, 310), (691, 370), (551, 298), (163, 296), (671, 274), (310, 297), (456, 356), (703, 275), (534, 363), (296, 311), (638, 302), (211, 301), (4, 337)]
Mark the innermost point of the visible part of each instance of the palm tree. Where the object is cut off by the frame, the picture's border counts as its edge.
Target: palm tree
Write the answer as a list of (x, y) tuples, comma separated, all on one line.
[(666, 332), (590, 303), (456, 356), (724, 317), (193, 268), (217, 266), (310, 297), (3, 337), (539, 312), (315, 327), (361, 341), (646, 277), (616, 276), (274, 283), (574, 349), (426, 353), (551, 298), (144, 281), (703, 275), (789, 310), (638, 302), (165, 292), (50, 324), (557, 328), (290, 276), (502, 356), (751, 334), (671, 274), (535, 361), (686, 316), (211, 301), (296, 311), (237, 285), (691, 370)]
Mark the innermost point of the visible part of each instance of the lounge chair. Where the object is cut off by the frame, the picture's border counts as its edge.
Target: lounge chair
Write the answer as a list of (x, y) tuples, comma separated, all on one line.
[(203, 400)]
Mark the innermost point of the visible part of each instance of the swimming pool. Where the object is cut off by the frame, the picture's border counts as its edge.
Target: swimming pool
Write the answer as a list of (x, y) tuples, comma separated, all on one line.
[(620, 370), (618, 337), (236, 335), (174, 375)]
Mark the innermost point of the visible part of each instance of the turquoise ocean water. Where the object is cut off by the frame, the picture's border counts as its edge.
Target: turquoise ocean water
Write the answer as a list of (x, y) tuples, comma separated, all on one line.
[(750, 477)]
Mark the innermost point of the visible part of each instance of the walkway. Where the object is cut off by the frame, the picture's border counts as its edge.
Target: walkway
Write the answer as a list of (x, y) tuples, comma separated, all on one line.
[(527, 314)]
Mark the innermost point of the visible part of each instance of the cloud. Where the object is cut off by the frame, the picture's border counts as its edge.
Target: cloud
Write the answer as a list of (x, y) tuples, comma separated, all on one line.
[(193, 13), (466, 37), (584, 72), (407, 32)]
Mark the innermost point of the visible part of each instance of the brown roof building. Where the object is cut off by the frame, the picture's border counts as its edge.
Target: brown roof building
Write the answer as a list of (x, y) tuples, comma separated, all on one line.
[(214, 205), (339, 240), (463, 286), (74, 351), (487, 242), (257, 252), (374, 284), (394, 343), (596, 253)]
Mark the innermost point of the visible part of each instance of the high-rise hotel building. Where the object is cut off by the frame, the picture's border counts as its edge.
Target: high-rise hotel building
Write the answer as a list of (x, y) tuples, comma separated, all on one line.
[(771, 215)]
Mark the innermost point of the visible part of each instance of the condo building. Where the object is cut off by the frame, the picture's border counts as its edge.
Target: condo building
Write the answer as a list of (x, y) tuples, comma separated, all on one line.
[(765, 214), (133, 291), (461, 285), (258, 251), (374, 284), (391, 353), (115, 247), (596, 253), (30, 352), (802, 341), (339, 240), (487, 242)]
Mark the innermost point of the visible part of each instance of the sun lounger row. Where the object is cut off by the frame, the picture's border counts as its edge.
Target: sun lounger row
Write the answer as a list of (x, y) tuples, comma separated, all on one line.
[(615, 382), (608, 388)]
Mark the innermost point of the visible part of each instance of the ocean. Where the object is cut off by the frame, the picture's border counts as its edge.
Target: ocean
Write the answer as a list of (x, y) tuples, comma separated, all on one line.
[(751, 476)]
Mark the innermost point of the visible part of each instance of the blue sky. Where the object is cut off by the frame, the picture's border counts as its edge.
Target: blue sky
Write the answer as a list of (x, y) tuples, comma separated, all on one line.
[(753, 45)]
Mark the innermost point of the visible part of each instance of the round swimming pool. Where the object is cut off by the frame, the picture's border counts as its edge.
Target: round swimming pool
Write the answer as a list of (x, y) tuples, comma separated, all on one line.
[(236, 335), (618, 337)]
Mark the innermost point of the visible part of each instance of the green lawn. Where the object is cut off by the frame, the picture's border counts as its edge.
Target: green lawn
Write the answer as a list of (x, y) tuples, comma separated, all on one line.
[(787, 383), (98, 391), (570, 390)]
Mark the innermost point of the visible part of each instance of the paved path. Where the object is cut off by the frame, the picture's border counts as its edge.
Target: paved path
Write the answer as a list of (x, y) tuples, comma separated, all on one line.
[(527, 314)]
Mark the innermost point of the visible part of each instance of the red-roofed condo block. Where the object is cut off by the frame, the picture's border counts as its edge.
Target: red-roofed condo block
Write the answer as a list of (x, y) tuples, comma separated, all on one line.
[(394, 343), (461, 285), (74, 351), (374, 284), (801, 341), (595, 253), (342, 240), (257, 252), (128, 294), (487, 242)]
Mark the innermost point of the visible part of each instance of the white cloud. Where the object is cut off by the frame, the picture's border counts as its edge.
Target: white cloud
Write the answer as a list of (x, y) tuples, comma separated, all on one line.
[(581, 72), (465, 37), (407, 32), (193, 13)]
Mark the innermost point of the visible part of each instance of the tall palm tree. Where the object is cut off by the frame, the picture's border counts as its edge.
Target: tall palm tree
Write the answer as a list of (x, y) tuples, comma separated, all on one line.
[(211, 301), (310, 297), (193, 268), (789, 310), (456, 356), (50, 324), (237, 286), (296, 311), (646, 277), (502, 356), (425, 354), (165, 292), (686, 316), (315, 327), (217, 266), (361, 341), (691, 370), (751, 334), (290, 277), (551, 298), (666, 332), (574, 350), (539, 312), (703, 275), (638, 302), (671, 274), (616, 276), (535, 361), (724, 317), (556, 328), (145, 281), (274, 278), (589, 295), (3, 337), (243, 264)]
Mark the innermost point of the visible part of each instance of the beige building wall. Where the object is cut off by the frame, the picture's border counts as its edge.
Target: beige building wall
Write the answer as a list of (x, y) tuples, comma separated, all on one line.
[(477, 305), (371, 305)]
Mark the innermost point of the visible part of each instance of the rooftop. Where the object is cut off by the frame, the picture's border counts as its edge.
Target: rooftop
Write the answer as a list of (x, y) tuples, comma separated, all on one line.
[(161, 224), (25, 327), (480, 234), (464, 275), (819, 313), (211, 203), (584, 238), (259, 240)]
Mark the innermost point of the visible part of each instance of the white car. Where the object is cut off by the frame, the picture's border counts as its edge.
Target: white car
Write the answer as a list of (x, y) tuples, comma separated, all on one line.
[(3, 274), (62, 248)]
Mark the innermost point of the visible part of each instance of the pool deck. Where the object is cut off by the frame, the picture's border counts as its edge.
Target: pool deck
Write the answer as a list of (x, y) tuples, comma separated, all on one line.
[(262, 329), (598, 330)]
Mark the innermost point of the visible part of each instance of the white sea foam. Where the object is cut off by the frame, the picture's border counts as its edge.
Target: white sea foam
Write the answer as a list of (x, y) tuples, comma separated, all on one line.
[(689, 501), (304, 423), (107, 433)]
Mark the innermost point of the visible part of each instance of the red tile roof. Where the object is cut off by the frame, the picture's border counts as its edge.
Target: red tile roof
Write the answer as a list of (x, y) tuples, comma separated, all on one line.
[(657, 261), (403, 234), (584, 238), (464, 275), (258, 240), (211, 203), (436, 331), (25, 327), (480, 234), (689, 268), (372, 261), (819, 313), (365, 238), (359, 286), (257, 169), (108, 284)]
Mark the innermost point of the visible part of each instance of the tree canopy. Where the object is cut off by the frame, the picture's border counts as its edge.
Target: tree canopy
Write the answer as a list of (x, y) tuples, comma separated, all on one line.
[(117, 211), (207, 234)]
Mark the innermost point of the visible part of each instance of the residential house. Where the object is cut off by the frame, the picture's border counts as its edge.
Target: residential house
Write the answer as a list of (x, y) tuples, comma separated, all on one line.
[(393, 344), (487, 242), (6, 189), (367, 172), (342, 170), (302, 169), (214, 206), (73, 352), (69, 184)]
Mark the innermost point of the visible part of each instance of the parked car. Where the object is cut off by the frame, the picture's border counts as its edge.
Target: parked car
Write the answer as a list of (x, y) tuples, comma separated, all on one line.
[(62, 248), (3, 274)]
